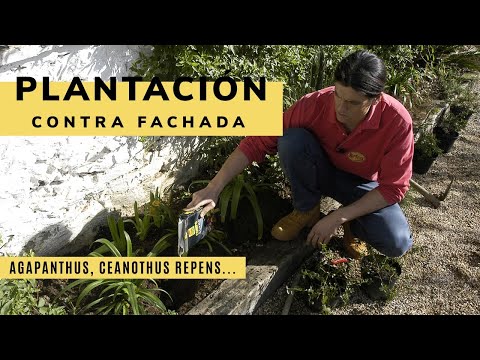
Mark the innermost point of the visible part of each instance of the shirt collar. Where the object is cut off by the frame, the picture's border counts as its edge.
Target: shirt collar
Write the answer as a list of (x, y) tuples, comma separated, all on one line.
[(371, 121)]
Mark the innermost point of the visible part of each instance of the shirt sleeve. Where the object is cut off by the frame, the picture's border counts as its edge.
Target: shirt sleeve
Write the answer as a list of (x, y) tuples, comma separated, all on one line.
[(256, 147), (396, 166), (299, 115)]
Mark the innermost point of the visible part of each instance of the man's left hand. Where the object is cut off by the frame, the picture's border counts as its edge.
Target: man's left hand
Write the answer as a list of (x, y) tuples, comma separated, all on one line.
[(323, 230)]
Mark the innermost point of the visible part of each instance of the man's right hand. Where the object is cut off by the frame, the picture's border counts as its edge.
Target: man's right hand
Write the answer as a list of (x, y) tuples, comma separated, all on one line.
[(206, 197)]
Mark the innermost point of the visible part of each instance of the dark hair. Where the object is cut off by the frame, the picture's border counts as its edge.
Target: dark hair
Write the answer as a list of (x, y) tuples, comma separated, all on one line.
[(363, 71)]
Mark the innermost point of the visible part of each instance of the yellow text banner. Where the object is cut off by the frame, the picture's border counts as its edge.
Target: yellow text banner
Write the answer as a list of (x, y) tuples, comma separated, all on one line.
[(42, 108), (122, 267)]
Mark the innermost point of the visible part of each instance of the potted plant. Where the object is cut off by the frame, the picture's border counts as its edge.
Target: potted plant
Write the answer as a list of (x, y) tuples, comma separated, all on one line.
[(326, 281), (426, 150), (452, 122), (462, 102), (379, 275)]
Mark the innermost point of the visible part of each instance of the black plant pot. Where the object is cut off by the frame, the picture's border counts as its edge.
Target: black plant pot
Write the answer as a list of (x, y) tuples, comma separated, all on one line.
[(378, 288), (422, 163), (445, 139)]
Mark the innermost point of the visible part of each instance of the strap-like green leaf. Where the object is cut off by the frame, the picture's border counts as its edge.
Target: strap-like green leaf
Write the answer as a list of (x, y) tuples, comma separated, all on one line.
[(197, 182), (145, 226), (110, 246), (161, 245), (256, 209), (135, 211), (113, 285), (132, 299), (129, 244), (258, 215), (122, 244), (107, 308), (92, 304), (71, 286), (112, 225), (101, 249), (152, 299), (237, 191), (225, 197), (96, 254), (223, 246), (88, 289), (161, 290), (131, 222)]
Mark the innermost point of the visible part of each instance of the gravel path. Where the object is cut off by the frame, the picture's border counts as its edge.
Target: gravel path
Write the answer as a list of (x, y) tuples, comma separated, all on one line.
[(441, 273)]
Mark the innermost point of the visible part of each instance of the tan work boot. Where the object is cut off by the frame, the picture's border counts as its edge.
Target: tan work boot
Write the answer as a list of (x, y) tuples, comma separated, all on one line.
[(288, 227), (354, 247)]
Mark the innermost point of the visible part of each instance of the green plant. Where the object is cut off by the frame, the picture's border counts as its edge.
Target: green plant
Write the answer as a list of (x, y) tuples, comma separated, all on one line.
[(141, 225), (163, 217), (456, 88), (117, 296), (230, 197), (379, 274), (168, 237), (299, 67), (268, 172), (461, 57), (327, 281), (121, 239), (214, 236), (427, 146), (409, 69), (160, 212), (461, 108), (22, 297), (455, 121)]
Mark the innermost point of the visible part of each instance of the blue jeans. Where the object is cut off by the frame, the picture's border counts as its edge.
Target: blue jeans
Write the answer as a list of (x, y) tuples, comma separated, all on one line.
[(312, 175)]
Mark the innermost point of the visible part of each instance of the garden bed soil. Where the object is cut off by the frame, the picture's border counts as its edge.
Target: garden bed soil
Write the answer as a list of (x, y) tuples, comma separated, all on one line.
[(186, 293)]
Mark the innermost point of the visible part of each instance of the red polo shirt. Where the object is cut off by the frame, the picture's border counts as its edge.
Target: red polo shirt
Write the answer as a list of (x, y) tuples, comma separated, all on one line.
[(380, 148)]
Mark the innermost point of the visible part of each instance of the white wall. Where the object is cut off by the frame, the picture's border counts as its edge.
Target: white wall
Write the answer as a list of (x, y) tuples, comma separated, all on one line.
[(56, 191)]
